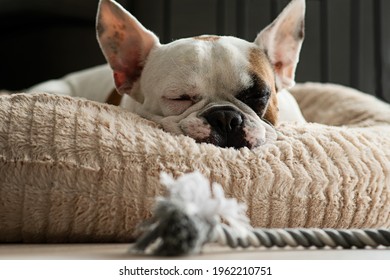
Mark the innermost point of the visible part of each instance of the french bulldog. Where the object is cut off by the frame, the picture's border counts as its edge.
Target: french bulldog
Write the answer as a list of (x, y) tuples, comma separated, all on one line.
[(216, 89)]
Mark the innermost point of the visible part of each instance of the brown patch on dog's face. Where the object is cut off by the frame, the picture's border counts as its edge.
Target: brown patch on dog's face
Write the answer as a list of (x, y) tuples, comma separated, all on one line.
[(262, 69), (272, 112), (207, 38)]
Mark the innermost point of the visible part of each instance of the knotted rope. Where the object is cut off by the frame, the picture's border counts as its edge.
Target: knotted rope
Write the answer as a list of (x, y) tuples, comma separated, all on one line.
[(193, 214)]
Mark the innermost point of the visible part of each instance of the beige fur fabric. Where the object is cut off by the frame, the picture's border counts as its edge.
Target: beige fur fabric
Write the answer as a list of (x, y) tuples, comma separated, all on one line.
[(77, 171)]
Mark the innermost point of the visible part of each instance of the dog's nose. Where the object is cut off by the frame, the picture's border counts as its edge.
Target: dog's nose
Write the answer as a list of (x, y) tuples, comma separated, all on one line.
[(227, 127), (224, 120)]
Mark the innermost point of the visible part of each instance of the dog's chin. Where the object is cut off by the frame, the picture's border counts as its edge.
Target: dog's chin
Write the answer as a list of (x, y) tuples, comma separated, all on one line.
[(252, 135), (224, 142), (249, 137), (246, 137)]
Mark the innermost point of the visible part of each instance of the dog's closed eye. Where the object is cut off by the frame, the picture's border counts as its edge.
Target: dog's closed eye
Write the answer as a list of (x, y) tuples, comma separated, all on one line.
[(256, 96), (177, 104), (183, 97)]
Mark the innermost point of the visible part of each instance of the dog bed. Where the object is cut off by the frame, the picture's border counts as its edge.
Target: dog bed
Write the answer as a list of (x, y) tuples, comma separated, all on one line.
[(73, 170)]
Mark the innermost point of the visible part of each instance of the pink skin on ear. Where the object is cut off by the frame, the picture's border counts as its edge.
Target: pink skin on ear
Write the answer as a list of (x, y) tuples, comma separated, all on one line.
[(282, 41), (125, 43)]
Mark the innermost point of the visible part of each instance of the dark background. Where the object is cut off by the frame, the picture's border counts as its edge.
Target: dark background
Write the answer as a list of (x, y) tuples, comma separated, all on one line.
[(347, 41)]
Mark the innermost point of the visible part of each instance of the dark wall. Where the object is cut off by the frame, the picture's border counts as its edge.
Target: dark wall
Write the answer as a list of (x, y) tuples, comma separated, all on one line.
[(45, 39), (347, 41)]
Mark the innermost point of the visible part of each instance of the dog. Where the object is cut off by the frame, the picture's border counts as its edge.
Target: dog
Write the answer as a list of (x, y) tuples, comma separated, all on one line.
[(215, 89)]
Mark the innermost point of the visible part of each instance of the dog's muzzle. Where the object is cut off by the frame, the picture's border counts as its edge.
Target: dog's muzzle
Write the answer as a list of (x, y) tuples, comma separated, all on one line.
[(227, 127)]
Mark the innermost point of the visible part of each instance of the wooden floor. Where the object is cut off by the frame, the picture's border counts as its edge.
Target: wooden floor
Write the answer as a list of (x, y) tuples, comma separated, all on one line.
[(120, 251)]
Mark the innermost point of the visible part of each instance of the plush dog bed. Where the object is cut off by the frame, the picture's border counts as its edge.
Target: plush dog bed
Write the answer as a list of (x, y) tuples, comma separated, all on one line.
[(73, 170)]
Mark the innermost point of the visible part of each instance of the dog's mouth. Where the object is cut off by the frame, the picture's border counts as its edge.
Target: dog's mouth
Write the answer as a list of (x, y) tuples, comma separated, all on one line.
[(229, 128), (245, 137), (234, 139), (222, 126), (228, 144)]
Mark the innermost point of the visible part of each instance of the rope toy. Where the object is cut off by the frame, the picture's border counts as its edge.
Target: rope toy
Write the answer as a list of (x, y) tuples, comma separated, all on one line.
[(194, 213)]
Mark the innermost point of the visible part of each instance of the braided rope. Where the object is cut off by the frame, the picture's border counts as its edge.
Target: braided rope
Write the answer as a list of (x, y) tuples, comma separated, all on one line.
[(180, 226), (315, 237)]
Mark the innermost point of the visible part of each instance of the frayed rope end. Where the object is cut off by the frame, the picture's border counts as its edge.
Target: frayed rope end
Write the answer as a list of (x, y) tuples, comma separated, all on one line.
[(189, 216)]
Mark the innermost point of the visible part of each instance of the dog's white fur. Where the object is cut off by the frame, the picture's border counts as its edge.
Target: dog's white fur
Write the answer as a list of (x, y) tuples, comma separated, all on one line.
[(210, 71)]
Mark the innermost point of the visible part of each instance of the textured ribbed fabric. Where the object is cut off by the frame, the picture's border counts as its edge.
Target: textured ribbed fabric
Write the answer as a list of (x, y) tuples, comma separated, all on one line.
[(78, 171)]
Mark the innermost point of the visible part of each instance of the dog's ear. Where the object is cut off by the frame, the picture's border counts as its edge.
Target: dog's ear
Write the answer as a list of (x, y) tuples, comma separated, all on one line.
[(125, 43), (282, 41)]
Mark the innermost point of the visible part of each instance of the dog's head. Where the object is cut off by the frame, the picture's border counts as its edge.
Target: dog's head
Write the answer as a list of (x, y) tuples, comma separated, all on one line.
[(216, 89)]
